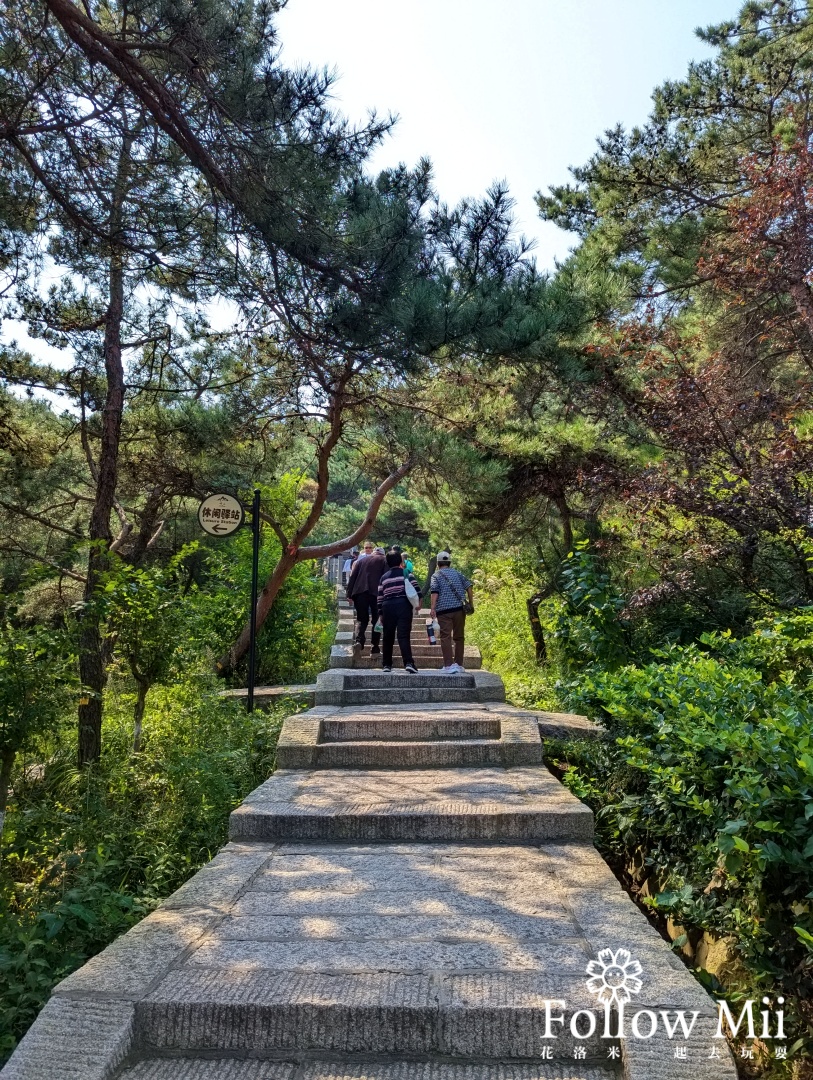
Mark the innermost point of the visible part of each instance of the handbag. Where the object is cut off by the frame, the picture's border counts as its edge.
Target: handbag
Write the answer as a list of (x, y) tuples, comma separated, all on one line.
[(411, 592), (468, 607)]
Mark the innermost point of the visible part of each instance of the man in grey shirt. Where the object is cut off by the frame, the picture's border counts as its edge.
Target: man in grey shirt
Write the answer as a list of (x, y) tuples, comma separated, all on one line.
[(450, 591)]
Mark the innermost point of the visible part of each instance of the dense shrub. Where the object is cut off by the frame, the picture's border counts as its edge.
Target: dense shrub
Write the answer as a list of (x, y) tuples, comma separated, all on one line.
[(86, 854), (710, 776)]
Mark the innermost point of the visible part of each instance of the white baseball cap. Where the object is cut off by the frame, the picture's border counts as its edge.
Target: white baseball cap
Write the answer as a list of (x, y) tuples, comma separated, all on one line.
[(444, 556)]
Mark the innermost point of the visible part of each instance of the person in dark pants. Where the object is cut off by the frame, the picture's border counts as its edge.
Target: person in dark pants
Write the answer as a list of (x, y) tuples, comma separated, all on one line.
[(396, 612), (362, 592)]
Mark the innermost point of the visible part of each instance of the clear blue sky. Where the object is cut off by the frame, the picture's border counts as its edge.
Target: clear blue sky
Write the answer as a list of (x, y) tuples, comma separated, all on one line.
[(517, 90)]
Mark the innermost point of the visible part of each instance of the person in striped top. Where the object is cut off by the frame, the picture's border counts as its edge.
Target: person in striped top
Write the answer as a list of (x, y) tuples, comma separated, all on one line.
[(396, 612)]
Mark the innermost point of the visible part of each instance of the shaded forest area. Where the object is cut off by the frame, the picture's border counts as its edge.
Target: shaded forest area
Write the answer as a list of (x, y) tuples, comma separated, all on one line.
[(619, 452)]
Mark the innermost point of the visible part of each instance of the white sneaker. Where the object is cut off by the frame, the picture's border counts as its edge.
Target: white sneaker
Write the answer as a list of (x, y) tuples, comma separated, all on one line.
[(448, 670), (458, 669)]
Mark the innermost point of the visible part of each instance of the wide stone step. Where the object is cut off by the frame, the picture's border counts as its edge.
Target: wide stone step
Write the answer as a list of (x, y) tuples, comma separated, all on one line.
[(408, 728), (455, 754), (387, 1012), (198, 1068), (430, 662), (318, 739), (525, 804), (408, 695), (425, 656), (348, 687), (382, 680)]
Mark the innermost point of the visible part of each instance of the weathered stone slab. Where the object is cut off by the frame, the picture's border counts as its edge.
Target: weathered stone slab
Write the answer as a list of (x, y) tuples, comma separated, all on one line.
[(346, 686), (406, 725), (74, 1039), (237, 1069), (129, 967), (443, 1070), (210, 1069), (503, 1015), (450, 928), (428, 805), (298, 739), (276, 1011), (396, 955), (459, 753), (426, 656), (221, 881)]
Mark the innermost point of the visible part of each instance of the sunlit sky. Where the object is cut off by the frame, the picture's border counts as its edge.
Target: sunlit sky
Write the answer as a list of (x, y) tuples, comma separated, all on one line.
[(514, 91)]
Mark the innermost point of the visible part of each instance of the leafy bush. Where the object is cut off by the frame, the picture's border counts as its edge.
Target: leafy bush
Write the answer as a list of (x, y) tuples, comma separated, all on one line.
[(585, 623), (500, 628), (86, 854), (710, 775), (294, 643)]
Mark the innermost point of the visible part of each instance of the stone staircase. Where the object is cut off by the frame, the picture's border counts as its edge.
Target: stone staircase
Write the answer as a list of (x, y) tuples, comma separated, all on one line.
[(411, 896)]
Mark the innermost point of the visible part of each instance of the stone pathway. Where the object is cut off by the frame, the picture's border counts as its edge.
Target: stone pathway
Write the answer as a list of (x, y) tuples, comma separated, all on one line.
[(411, 896)]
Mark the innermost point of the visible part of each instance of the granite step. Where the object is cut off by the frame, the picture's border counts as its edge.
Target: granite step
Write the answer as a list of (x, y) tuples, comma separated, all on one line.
[(407, 695), (394, 728), (431, 661), (425, 656), (495, 1015), (434, 754), (382, 680), (405, 961), (406, 739), (524, 803), (198, 1068), (347, 687)]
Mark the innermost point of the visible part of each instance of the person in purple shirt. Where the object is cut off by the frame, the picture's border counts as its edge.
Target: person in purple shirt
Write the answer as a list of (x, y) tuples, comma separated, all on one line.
[(396, 612)]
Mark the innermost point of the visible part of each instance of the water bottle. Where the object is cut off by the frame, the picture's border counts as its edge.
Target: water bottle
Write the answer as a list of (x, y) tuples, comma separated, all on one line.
[(430, 632)]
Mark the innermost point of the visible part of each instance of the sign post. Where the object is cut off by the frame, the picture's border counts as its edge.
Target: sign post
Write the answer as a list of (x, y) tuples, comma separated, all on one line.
[(222, 515), (256, 525)]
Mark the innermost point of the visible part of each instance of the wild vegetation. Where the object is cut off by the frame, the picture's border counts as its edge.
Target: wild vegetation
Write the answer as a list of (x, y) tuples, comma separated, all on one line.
[(619, 451)]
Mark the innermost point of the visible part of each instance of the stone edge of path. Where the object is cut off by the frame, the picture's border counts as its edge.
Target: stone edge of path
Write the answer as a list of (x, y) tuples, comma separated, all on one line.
[(301, 737), (302, 694)]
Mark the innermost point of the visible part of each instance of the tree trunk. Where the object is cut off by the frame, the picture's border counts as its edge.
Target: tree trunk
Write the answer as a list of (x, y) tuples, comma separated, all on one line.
[(6, 765), (540, 645), (92, 650), (143, 688)]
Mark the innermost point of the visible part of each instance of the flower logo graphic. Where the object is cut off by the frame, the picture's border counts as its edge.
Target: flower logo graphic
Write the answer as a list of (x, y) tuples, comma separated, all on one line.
[(614, 976)]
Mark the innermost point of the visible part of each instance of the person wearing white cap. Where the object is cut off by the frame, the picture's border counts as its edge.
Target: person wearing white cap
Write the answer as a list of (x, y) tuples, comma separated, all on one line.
[(452, 600)]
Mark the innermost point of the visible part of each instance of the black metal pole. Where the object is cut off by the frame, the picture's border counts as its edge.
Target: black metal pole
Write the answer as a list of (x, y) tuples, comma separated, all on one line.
[(255, 573)]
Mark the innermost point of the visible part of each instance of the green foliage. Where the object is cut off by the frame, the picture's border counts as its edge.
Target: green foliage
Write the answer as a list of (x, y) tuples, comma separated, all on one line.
[(144, 608), (586, 626), (500, 628), (86, 854), (710, 775), (294, 643), (36, 680)]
